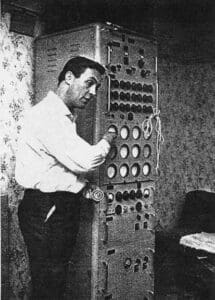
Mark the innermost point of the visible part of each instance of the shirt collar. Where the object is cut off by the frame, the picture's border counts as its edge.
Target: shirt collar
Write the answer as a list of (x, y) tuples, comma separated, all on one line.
[(59, 107)]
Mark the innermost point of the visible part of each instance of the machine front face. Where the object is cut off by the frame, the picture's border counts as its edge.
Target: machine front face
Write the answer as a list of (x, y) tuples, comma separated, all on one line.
[(131, 93), (114, 252)]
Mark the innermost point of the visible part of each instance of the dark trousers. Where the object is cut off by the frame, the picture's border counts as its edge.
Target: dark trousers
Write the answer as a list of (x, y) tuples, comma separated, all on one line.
[(50, 243)]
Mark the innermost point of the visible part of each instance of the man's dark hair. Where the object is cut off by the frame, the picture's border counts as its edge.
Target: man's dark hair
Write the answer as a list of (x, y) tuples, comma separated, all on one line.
[(77, 65)]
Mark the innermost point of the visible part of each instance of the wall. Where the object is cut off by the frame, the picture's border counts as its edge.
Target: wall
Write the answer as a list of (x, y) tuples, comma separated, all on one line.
[(16, 95), (186, 95)]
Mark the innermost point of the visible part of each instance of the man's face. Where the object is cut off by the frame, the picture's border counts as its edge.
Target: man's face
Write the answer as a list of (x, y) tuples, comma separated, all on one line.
[(83, 89)]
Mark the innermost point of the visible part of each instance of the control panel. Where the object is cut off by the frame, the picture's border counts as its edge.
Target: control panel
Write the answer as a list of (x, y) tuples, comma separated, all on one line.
[(131, 100)]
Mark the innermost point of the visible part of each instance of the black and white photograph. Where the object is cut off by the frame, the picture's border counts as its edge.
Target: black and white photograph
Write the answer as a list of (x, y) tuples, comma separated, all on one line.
[(107, 149)]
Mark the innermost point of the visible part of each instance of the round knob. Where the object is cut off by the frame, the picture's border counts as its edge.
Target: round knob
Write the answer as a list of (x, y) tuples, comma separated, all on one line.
[(133, 97), (114, 107), (139, 206), (132, 194), (118, 209), (122, 84), (139, 194), (115, 95), (130, 116), (149, 99), (141, 63), (144, 99), (114, 84), (128, 85), (118, 196), (139, 87), (122, 95), (125, 195), (144, 87), (127, 107), (134, 86), (139, 108), (113, 69), (122, 107), (150, 88)]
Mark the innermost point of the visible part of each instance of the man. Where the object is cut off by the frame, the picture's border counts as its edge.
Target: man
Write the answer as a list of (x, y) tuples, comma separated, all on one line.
[(52, 161)]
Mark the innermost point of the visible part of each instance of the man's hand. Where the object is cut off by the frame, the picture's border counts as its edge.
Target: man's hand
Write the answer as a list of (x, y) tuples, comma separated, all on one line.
[(110, 137)]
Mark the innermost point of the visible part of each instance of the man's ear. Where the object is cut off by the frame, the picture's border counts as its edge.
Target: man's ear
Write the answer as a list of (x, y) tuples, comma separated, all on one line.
[(69, 77)]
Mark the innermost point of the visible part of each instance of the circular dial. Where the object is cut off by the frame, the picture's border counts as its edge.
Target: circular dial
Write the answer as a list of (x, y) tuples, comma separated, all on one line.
[(147, 151), (123, 170), (124, 151), (112, 129), (136, 133), (135, 170), (135, 151), (146, 169), (111, 171), (124, 132)]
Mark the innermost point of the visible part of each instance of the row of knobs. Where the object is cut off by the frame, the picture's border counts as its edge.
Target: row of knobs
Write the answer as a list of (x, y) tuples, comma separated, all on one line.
[(131, 108), (128, 195), (126, 85), (138, 207), (131, 97)]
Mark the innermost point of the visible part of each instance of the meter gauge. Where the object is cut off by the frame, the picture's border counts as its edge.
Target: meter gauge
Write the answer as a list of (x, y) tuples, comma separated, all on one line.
[(146, 169), (136, 132), (146, 193), (112, 129), (124, 170), (111, 171), (113, 152), (147, 151), (124, 132), (124, 151), (135, 170), (135, 151)]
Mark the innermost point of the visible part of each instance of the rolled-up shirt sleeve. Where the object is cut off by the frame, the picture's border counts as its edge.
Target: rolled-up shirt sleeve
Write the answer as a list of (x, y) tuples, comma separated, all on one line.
[(69, 149)]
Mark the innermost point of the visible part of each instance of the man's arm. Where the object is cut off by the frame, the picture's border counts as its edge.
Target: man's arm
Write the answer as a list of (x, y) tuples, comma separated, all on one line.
[(71, 150)]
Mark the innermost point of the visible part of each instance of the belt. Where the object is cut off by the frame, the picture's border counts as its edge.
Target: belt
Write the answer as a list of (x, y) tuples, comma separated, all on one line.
[(38, 192)]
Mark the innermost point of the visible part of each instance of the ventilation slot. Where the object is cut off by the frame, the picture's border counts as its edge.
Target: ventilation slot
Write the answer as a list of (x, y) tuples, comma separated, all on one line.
[(52, 59), (74, 49), (112, 251)]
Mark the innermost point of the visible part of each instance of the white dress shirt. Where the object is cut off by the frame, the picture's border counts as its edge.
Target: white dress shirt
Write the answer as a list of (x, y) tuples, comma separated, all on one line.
[(51, 156)]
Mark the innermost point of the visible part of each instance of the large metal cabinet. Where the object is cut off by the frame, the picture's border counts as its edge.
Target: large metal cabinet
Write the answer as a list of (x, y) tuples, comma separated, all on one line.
[(114, 252)]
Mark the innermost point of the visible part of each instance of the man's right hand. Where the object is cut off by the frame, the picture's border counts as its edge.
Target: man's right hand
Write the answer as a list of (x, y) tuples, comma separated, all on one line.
[(110, 137)]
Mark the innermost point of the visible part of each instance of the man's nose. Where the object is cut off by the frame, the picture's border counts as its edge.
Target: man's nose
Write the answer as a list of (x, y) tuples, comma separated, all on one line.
[(92, 90)]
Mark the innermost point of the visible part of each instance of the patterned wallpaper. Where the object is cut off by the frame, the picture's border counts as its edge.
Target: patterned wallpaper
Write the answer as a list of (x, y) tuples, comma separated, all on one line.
[(186, 95), (186, 73), (16, 95)]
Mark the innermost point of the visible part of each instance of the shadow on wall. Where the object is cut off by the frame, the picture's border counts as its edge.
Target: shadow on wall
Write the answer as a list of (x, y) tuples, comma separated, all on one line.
[(16, 95)]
